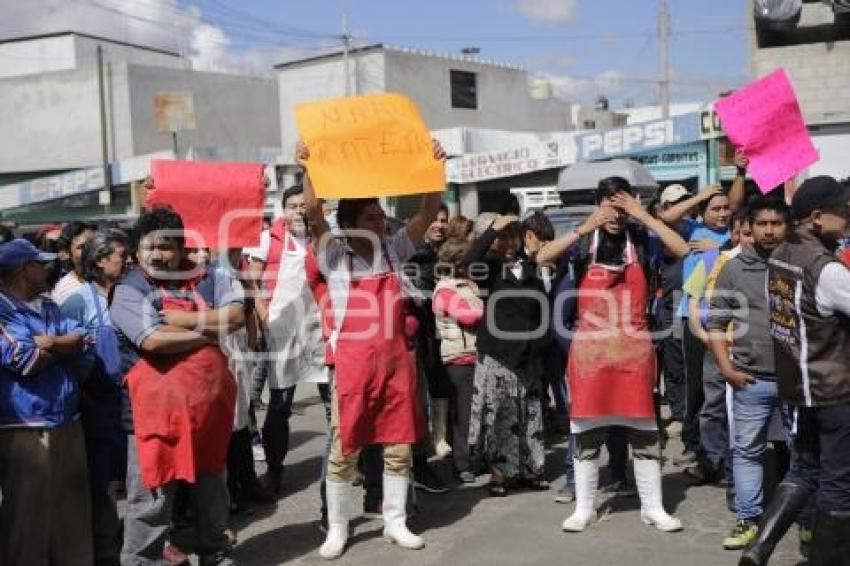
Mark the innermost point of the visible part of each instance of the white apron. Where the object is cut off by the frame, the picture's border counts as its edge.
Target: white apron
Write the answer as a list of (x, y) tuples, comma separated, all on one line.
[(294, 335), (240, 361)]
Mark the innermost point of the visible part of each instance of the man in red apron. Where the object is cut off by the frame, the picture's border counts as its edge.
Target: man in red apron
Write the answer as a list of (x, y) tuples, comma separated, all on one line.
[(181, 396), (290, 323), (612, 368), (374, 399)]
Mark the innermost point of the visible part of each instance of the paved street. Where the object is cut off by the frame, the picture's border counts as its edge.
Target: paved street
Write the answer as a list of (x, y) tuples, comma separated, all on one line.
[(467, 527)]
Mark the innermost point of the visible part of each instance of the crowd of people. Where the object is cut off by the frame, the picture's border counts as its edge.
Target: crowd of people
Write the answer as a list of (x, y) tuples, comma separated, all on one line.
[(135, 366)]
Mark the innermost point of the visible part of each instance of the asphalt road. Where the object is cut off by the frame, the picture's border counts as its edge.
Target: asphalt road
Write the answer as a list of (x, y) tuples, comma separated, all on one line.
[(465, 526)]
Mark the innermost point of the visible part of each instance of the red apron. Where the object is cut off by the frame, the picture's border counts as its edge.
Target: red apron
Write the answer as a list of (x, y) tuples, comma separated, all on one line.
[(183, 409), (375, 379), (612, 360)]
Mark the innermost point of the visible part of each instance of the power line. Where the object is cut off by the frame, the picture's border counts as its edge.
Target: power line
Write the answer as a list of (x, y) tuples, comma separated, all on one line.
[(572, 37), (286, 30)]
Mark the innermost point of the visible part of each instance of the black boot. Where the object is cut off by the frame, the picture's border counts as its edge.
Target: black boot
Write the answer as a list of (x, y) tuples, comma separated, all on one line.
[(831, 542), (276, 445), (781, 513)]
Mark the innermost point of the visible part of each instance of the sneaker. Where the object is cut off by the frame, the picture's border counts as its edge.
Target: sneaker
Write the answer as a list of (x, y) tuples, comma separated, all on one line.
[(701, 474), (466, 477), (686, 459), (805, 541), (274, 481), (428, 481), (259, 452), (674, 429), (255, 492), (173, 556), (566, 494), (745, 532)]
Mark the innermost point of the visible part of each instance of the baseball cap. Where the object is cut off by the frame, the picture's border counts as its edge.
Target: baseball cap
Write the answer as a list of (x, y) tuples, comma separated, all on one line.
[(819, 192), (20, 251), (674, 193)]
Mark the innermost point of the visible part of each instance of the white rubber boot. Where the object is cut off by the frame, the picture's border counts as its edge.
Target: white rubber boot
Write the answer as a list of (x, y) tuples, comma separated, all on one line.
[(648, 480), (587, 482), (338, 496), (439, 423), (395, 513)]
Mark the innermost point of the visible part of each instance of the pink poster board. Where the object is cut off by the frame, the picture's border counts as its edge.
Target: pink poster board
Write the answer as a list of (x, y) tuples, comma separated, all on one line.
[(763, 119)]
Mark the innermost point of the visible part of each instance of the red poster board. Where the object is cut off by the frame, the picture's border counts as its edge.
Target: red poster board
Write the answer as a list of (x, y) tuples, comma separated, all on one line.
[(221, 203)]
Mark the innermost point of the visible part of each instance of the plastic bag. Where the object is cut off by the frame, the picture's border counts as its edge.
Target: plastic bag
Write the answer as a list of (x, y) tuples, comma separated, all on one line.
[(779, 11)]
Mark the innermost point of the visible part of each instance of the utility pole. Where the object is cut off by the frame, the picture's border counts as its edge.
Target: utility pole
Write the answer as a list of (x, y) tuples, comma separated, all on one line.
[(346, 47), (664, 51), (104, 141)]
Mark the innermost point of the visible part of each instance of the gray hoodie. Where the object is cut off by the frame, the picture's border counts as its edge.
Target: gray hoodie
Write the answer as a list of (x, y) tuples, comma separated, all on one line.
[(740, 298)]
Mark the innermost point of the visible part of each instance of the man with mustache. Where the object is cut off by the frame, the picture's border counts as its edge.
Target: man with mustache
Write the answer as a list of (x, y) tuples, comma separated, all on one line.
[(180, 399)]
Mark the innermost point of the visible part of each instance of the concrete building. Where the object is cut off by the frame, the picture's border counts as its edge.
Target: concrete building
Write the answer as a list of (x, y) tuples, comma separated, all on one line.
[(50, 119), (479, 109), (816, 54), (65, 51), (450, 91)]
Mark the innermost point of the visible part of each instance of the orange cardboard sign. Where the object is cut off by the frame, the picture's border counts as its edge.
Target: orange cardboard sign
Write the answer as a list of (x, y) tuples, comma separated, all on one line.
[(368, 146)]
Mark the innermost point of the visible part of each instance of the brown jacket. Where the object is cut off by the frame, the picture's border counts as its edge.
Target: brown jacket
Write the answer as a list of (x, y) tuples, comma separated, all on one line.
[(812, 351)]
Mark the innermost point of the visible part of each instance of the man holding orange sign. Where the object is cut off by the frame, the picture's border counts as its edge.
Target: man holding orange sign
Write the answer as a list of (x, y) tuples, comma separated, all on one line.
[(374, 399)]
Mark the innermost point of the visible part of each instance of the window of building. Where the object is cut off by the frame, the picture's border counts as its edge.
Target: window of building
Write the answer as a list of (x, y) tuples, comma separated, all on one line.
[(464, 90)]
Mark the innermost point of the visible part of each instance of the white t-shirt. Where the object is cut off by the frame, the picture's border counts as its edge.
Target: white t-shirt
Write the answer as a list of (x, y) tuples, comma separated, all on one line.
[(65, 287), (832, 293)]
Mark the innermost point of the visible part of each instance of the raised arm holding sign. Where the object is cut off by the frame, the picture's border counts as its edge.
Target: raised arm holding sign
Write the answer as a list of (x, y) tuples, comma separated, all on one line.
[(368, 146), (763, 119)]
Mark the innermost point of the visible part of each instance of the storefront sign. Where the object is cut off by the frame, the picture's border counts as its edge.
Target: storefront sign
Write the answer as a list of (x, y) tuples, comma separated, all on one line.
[(59, 186), (638, 138), (77, 182), (508, 163), (692, 155)]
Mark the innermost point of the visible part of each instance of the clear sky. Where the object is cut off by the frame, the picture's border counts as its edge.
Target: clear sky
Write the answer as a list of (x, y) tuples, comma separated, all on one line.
[(586, 47)]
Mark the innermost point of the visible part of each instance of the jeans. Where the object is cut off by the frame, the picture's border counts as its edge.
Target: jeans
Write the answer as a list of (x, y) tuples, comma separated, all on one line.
[(694, 352), (148, 518), (461, 378), (673, 359), (752, 409), (259, 378), (554, 368), (714, 418), (569, 463), (820, 460), (276, 427)]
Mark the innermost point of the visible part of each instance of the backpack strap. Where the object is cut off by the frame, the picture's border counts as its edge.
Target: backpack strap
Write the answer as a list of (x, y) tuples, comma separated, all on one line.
[(94, 297)]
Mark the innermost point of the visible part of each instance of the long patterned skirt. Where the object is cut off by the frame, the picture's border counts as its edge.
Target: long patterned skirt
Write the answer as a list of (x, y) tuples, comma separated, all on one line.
[(507, 418)]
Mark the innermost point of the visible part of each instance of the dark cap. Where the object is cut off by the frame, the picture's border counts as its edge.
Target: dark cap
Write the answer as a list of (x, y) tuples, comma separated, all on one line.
[(820, 192), (20, 251)]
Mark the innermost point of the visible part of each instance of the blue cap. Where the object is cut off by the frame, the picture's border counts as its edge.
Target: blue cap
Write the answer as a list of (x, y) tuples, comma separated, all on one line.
[(20, 251)]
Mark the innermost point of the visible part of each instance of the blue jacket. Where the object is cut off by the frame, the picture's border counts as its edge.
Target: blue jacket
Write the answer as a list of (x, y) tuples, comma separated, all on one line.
[(48, 398)]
